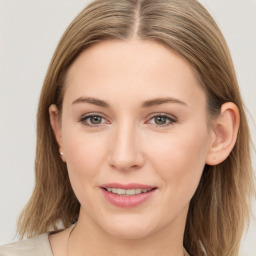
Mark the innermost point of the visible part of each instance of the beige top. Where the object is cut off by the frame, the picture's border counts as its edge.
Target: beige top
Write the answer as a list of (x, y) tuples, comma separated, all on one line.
[(36, 246)]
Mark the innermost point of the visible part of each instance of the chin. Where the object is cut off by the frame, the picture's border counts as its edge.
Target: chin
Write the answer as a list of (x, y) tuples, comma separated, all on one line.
[(130, 234), (126, 229)]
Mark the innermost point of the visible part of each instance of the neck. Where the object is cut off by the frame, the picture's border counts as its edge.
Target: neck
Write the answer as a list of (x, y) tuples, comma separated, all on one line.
[(87, 236)]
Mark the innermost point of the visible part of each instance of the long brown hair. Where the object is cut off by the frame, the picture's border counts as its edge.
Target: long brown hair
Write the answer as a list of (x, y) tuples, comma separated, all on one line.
[(220, 207)]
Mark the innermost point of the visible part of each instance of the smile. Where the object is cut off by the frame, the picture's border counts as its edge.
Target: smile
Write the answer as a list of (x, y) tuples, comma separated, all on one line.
[(127, 196), (127, 192)]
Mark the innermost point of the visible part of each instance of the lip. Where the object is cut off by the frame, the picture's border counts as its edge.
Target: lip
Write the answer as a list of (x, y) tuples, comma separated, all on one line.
[(127, 186), (127, 201)]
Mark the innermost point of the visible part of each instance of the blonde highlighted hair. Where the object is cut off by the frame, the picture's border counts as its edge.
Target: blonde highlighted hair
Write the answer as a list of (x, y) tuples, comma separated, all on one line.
[(220, 207)]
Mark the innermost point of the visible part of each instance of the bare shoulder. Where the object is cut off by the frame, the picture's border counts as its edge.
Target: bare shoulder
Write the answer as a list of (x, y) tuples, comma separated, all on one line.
[(36, 246)]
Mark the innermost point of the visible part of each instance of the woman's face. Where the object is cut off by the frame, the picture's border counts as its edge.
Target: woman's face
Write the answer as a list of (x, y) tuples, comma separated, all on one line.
[(134, 135)]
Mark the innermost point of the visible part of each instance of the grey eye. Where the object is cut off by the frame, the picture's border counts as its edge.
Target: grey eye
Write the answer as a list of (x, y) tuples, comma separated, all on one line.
[(95, 119), (160, 120)]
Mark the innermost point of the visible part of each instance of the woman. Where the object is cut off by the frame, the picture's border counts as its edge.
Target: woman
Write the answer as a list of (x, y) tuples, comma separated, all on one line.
[(142, 138)]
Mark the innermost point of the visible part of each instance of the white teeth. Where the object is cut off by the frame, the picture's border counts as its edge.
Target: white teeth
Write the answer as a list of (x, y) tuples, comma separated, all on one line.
[(130, 192), (127, 192), (137, 191), (120, 191)]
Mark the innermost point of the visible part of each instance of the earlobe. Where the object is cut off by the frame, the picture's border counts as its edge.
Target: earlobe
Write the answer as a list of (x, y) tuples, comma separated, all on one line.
[(224, 134), (55, 124)]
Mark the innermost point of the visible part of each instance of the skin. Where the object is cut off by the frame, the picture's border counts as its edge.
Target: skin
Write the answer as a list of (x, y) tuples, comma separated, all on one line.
[(130, 146)]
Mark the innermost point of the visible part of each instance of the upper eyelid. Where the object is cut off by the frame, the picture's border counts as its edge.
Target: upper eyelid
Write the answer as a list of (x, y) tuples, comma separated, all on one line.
[(93, 114), (149, 117), (162, 114)]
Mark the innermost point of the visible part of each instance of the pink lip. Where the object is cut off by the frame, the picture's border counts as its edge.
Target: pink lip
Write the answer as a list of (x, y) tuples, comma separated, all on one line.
[(127, 201), (127, 186)]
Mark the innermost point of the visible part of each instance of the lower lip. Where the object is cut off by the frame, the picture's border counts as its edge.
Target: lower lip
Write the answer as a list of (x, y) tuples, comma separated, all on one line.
[(127, 201)]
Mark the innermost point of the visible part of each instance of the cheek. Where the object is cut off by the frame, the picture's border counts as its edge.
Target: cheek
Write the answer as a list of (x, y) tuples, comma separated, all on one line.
[(180, 158), (84, 153)]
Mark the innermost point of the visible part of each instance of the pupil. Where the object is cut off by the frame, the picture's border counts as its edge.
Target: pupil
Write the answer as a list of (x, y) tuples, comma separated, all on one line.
[(160, 120), (95, 120)]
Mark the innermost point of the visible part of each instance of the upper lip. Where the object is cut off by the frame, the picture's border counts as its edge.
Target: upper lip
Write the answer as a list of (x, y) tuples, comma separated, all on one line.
[(127, 186)]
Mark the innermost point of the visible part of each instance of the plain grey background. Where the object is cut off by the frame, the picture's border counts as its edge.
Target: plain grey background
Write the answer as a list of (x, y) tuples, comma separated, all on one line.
[(29, 33)]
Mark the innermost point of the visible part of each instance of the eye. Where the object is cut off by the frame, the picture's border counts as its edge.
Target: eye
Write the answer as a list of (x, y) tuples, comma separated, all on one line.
[(162, 120), (93, 120)]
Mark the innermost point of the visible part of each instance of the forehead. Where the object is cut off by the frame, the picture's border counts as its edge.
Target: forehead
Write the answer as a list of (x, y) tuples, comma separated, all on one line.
[(136, 69)]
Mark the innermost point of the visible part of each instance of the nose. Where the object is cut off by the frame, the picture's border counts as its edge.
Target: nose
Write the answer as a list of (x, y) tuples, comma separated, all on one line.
[(125, 149)]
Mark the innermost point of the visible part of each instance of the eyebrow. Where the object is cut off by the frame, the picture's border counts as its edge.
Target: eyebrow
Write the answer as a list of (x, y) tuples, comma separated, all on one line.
[(146, 104), (159, 101), (93, 101)]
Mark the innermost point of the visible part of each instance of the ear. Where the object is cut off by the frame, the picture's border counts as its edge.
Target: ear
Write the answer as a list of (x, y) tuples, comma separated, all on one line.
[(56, 127), (224, 132)]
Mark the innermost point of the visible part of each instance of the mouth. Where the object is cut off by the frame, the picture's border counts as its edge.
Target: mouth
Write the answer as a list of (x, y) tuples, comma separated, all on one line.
[(128, 192), (129, 195)]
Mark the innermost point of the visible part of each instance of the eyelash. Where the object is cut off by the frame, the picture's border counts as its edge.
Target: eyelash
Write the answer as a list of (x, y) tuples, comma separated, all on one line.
[(170, 120), (85, 117)]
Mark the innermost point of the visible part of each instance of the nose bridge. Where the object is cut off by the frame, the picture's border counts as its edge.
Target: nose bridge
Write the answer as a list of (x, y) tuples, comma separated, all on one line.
[(125, 147)]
